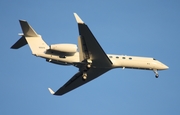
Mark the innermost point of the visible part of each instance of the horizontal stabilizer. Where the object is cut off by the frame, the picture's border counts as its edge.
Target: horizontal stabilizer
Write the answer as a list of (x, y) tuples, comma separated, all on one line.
[(28, 31), (21, 42), (51, 91)]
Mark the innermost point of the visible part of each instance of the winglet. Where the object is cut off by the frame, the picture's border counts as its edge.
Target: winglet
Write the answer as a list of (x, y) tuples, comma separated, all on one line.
[(51, 91), (78, 19)]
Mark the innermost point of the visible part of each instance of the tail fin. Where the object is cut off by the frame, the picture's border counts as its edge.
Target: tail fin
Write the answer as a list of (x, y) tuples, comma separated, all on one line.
[(35, 42)]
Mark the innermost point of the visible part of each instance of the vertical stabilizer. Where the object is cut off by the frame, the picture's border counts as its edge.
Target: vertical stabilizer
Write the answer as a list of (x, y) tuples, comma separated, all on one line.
[(34, 40), (28, 31)]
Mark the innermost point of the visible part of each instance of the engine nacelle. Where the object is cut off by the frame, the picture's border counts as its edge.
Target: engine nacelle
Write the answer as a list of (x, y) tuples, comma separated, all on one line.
[(67, 49)]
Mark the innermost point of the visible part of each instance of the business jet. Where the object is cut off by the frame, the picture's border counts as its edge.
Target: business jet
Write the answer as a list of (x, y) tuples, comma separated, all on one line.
[(88, 56)]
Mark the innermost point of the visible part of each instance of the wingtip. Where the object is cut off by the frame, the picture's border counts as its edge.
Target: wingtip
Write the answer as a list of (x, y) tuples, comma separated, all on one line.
[(22, 21), (51, 91), (78, 19)]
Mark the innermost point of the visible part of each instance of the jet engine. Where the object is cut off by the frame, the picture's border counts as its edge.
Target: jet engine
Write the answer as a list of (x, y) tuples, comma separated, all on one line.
[(69, 48), (63, 49)]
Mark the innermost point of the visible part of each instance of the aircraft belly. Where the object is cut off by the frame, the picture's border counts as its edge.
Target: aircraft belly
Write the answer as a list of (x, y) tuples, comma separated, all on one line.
[(68, 59)]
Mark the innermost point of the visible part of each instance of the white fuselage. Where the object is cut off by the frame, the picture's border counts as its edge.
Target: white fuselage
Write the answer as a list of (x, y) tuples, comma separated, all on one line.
[(91, 59), (119, 61)]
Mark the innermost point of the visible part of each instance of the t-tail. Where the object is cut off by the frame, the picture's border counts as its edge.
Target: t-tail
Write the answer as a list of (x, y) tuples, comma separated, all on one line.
[(30, 37)]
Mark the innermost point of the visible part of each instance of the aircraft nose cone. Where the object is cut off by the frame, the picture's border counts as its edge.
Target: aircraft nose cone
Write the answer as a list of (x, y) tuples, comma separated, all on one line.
[(165, 66)]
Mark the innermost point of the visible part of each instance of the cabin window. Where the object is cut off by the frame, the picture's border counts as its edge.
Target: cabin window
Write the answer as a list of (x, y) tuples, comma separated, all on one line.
[(154, 59), (110, 57), (130, 58), (123, 57), (117, 57)]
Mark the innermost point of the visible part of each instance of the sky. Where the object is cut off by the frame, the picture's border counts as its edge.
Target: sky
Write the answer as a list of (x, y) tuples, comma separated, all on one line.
[(149, 28)]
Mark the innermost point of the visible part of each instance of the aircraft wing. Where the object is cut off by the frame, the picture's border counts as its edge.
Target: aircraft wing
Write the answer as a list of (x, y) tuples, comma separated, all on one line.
[(89, 46), (77, 80)]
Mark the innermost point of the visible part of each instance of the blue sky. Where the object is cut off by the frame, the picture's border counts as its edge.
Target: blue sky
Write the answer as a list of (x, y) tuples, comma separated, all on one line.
[(141, 28)]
